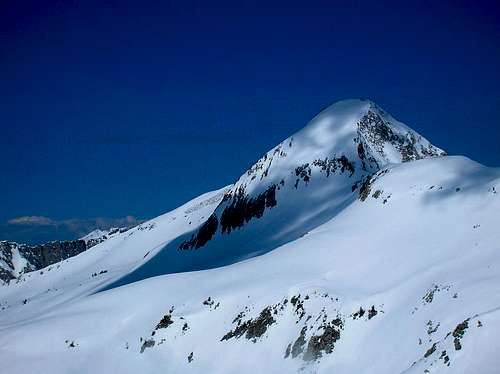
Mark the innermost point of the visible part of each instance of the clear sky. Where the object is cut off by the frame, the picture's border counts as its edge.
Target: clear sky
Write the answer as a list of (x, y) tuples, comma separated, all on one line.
[(111, 109)]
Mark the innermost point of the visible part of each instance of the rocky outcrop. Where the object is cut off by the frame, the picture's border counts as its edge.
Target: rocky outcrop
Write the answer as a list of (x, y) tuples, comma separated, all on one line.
[(47, 254), (236, 210), (98, 236), (377, 134)]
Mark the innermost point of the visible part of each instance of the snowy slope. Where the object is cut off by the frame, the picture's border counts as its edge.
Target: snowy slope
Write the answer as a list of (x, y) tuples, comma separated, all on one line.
[(389, 266), (102, 264)]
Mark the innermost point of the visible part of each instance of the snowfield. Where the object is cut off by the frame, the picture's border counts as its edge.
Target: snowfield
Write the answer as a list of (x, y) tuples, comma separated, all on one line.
[(354, 246)]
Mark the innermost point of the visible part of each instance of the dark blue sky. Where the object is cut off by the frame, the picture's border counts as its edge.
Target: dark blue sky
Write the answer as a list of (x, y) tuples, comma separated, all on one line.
[(110, 109)]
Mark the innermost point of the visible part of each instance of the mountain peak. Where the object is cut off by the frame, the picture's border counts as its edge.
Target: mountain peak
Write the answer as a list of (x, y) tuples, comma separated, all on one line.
[(309, 177), (355, 131), (385, 138)]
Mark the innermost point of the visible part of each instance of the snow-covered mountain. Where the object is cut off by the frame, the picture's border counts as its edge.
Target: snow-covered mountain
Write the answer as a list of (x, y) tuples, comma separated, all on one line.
[(17, 259), (354, 246)]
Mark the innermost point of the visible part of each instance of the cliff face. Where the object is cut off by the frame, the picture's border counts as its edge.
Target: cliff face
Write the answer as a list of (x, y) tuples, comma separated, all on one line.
[(17, 259)]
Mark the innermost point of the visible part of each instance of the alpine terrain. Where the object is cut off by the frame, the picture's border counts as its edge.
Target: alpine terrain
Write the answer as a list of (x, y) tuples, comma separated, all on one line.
[(353, 246)]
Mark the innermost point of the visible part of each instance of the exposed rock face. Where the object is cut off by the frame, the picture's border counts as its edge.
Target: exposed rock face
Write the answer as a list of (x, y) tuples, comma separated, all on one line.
[(376, 133), (253, 328), (237, 209), (17, 259), (7, 266), (52, 252), (243, 208), (205, 233)]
